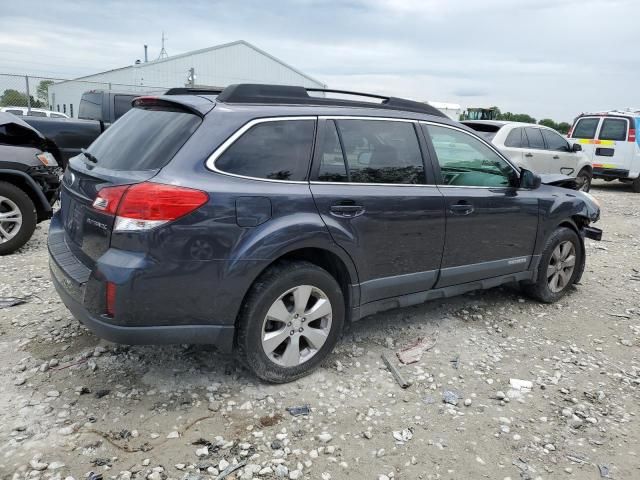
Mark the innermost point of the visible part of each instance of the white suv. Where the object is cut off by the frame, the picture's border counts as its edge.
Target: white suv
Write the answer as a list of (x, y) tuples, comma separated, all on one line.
[(537, 148), (609, 140)]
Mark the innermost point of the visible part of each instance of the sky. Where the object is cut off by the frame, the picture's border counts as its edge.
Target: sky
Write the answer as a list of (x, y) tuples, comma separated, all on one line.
[(548, 58)]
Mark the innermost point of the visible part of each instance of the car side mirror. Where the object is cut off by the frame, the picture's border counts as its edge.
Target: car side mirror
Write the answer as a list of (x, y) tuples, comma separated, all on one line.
[(529, 180), (576, 147)]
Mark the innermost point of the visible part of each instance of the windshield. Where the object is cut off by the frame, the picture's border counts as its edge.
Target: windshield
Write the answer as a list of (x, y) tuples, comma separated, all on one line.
[(143, 139)]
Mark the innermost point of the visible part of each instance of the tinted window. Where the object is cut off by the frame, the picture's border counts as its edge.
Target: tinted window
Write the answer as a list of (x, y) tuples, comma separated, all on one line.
[(35, 113), (379, 151), (554, 141), (121, 105), (585, 128), (15, 112), (332, 167), (278, 150), (535, 138), (57, 115), (515, 139), (90, 106), (466, 161), (613, 129), (144, 139)]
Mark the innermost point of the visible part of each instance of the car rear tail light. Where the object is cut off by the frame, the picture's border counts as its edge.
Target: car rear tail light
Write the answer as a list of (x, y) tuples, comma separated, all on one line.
[(110, 299), (632, 134), (147, 205)]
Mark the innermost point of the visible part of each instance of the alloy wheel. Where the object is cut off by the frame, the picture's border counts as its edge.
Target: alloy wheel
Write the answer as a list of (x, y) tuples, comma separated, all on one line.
[(10, 219), (296, 326), (561, 266)]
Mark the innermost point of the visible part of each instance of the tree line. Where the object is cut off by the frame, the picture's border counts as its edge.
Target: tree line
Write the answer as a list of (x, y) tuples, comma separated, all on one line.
[(562, 127), (15, 98)]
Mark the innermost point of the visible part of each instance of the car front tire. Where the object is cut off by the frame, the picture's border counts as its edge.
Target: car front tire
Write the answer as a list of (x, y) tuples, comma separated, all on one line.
[(290, 321), (559, 266), (17, 218), (583, 179)]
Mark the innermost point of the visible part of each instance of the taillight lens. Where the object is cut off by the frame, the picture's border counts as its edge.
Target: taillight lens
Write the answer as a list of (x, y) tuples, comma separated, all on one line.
[(110, 303), (144, 206), (632, 134)]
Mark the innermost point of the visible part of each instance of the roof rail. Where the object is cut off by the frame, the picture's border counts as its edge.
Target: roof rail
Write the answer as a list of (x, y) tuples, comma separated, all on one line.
[(296, 95), (194, 91)]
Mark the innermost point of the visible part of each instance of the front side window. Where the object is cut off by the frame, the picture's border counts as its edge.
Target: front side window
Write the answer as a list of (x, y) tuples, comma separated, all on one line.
[(466, 161), (534, 135), (555, 141), (613, 129), (515, 139), (275, 150), (586, 128), (380, 151)]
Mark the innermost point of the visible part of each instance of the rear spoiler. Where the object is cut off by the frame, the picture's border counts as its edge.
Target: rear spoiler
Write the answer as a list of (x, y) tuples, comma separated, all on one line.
[(196, 108)]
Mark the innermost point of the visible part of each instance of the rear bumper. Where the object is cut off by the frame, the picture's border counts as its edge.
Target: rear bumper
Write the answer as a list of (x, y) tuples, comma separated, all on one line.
[(78, 288), (599, 172), (219, 335)]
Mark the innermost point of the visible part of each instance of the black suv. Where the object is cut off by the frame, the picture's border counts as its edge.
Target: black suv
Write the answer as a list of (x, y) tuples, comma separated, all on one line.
[(263, 218), (29, 181)]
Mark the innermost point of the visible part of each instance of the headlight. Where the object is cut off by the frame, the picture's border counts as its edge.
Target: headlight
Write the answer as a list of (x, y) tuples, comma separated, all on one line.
[(592, 198)]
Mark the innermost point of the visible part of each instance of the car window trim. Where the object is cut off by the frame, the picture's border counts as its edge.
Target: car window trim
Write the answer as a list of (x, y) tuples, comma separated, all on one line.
[(210, 163), (553, 132), (436, 164), (425, 160), (544, 143)]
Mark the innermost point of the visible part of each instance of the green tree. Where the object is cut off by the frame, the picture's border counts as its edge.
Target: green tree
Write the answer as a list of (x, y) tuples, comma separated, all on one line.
[(42, 91), (547, 122), (13, 98), (563, 127)]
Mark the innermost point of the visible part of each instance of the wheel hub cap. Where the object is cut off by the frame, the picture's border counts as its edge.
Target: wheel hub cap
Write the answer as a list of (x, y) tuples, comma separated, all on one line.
[(561, 266), (296, 326), (10, 219)]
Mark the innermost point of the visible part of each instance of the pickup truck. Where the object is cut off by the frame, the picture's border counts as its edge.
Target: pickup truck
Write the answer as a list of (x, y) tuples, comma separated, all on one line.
[(65, 137)]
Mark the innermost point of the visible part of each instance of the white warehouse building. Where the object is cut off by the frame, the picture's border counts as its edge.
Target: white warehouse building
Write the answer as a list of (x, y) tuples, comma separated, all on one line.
[(218, 66)]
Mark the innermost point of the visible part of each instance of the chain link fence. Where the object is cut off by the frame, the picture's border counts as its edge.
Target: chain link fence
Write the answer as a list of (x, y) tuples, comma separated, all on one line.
[(36, 94)]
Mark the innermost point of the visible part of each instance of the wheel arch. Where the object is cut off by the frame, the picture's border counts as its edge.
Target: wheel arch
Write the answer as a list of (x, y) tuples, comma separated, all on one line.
[(31, 188)]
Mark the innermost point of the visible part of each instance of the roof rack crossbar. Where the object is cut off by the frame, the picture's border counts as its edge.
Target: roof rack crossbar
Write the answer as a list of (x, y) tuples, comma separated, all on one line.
[(296, 95)]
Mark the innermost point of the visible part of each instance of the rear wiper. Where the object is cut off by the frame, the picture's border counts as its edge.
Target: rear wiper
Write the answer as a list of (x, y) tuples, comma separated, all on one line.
[(89, 156)]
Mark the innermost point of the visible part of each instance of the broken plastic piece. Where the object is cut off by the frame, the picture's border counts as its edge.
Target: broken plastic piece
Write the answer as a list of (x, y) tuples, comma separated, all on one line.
[(301, 410), (521, 385)]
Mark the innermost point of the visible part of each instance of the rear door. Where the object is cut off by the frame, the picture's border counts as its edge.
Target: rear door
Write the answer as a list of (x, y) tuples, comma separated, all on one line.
[(562, 159), (132, 151), (514, 146), (536, 155), (379, 203), (612, 150), (491, 224)]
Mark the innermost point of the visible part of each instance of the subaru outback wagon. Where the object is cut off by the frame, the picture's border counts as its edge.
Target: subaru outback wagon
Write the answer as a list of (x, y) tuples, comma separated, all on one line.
[(263, 218)]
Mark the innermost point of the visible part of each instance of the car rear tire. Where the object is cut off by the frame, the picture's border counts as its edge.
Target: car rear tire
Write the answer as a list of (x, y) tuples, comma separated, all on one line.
[(290, 321), (636, 185), (583, 179), (559, 266), (17, 218)]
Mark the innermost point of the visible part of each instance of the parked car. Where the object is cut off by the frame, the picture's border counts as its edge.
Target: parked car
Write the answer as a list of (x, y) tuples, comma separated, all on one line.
[(537, 148), (609, 140), (33, 112), (263, 219), (97, 110), (29, 181)]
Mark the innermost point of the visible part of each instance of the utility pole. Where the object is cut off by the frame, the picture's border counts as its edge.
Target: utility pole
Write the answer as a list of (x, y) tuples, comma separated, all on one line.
[(163, 52), (192, 77), (146, 58), (26, 78)]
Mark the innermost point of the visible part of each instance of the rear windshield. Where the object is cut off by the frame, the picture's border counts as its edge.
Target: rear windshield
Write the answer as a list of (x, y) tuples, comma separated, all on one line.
[(586, 128), (613, 129), (488, 132), (90, 106), (144, 139)]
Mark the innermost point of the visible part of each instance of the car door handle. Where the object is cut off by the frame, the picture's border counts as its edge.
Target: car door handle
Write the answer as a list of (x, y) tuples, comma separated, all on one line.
[(528, 155), (346, 211), (461, 208)]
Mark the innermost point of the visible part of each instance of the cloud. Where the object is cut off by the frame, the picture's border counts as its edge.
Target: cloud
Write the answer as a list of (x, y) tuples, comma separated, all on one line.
[(549, 58)]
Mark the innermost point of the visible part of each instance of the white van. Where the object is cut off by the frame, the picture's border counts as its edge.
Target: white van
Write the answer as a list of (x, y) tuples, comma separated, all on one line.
[(34, 112), (610, 141)]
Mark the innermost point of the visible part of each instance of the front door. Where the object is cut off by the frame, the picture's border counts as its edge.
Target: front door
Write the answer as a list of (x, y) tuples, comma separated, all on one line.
[(379, 204), (491, 225), (563, 159)]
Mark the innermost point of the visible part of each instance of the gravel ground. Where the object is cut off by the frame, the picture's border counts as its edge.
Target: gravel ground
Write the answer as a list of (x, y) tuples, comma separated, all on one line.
[(73, 404)]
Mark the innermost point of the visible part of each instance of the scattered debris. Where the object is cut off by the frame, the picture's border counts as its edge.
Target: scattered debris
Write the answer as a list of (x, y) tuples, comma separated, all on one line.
[(455, 363), (403, 436), (6, 302), (450, 397), (102, 393), (413, 352), (396, 373), (524, 386), (301, 410), (604, 471)]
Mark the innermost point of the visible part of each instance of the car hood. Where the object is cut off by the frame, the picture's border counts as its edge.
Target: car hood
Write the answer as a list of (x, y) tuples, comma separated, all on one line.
[(10, 119), (558, 180)]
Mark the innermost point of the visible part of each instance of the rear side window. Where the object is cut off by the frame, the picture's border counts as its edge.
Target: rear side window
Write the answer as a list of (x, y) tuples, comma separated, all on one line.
[(277, 150), (613, 129), (555, 141), (90, 106), (535, 138), (515, 139), (586, 128), (144, 139), (121, 105), (379, 151)]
